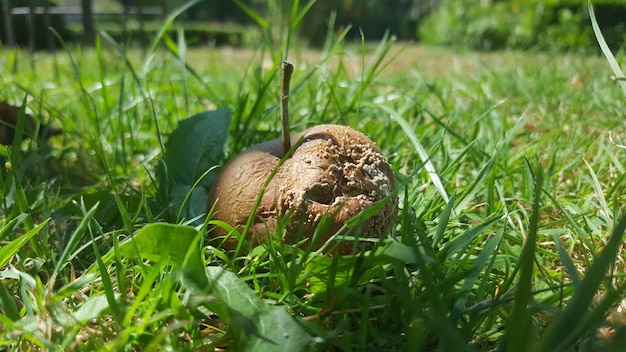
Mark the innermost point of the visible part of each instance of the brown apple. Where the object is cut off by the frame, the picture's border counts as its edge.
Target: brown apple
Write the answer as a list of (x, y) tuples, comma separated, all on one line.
[(334, 172)]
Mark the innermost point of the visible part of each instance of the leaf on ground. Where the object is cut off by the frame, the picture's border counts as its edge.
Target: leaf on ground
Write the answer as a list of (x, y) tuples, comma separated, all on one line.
[(196, 145), (254, 324), (189, 202), (189, 165), (162, 241)]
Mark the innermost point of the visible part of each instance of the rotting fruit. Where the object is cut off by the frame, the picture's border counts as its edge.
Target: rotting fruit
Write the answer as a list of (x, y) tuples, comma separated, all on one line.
[(334, 173)]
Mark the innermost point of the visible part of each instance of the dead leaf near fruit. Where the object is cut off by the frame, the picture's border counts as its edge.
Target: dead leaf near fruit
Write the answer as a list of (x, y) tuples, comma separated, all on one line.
[(9, 118)]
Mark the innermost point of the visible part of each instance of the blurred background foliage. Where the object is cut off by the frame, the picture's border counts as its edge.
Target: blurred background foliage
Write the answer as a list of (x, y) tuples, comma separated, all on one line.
[(40, 24), (523, 24), (548, 25)]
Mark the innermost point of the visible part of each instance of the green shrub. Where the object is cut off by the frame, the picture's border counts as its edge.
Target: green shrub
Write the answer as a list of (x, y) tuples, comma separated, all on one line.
[(545, 25)]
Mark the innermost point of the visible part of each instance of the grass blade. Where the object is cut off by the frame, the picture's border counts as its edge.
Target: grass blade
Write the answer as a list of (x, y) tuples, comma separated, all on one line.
[(518, 327), (567, 261), (569, 323), (619, 75), (443, 220), (74, 239), (253, 15), (9, 308), (9, 250), (168, 22), (479, 264), (421, 151), (598, 190)]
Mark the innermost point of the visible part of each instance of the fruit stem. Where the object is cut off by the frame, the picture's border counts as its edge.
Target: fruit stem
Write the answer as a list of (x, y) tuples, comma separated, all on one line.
[(286, 71)]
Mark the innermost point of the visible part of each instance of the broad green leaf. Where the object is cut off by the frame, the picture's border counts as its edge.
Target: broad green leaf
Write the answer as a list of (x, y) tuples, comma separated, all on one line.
[(189, 201), (196, 145), (159, 241), (189, 165), (254, 324)]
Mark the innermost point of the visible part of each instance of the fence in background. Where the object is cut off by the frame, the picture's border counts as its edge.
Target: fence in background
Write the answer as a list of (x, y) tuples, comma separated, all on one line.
[(84, 14)]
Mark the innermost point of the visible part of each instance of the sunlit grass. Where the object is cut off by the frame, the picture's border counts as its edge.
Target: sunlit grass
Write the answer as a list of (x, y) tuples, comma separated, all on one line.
[(511, 182)]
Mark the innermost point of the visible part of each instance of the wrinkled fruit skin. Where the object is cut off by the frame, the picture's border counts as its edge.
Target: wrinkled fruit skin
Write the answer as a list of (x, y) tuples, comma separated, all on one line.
[(335, 171)]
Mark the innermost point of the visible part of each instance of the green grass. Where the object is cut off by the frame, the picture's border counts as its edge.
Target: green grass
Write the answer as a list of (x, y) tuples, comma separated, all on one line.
[(511, 175)]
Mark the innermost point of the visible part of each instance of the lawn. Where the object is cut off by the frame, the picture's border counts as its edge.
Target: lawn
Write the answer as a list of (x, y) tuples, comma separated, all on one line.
[(510, 170)]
